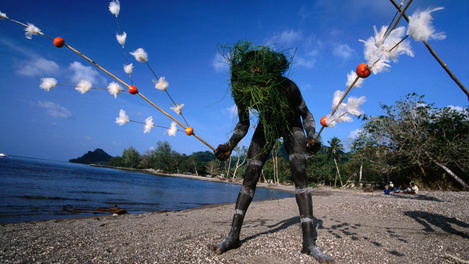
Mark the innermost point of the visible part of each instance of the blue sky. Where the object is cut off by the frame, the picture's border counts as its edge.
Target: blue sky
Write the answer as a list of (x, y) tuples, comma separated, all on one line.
[(182, 40)]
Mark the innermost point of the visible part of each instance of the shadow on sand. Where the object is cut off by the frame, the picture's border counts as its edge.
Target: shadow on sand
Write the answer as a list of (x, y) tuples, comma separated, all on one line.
[(428, 219), (338, 230), (416, 197)]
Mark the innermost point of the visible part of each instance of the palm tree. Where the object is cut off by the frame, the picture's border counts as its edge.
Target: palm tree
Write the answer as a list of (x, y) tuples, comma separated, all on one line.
[(335, 151)]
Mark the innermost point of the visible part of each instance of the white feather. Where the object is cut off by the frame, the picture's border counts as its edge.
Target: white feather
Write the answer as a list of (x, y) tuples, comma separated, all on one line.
[(129, 68), (48, 83), (173, 129), (122, 119), (177, 108), (3, 15), (121, 38), (377, 48), (148, 124), (83, 86), (140, 55), (114, 89), (421, 28), (392, 39), (353, 105), (351, 76), (115, 7), (337, 95), (161, 84), (31, 30), (343, 112)]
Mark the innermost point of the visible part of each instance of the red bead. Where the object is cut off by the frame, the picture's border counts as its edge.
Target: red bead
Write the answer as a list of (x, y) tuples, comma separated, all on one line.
[(133, 90), (323, 121), (362, 70), (59, 42), (189, 131)]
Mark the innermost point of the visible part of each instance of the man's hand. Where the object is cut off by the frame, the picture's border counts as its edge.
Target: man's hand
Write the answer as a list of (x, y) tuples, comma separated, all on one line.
[(312, 145), (223, 152)]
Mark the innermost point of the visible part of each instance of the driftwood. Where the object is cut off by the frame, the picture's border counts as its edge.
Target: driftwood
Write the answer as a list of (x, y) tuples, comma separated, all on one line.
[(112, 210)]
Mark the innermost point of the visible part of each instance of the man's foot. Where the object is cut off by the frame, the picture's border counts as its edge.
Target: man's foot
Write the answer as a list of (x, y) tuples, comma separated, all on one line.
[(317, 254), (228, 243)]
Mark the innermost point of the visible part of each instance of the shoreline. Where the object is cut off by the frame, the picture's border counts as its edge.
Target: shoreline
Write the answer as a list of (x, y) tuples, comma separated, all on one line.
[(280, 187), (352, 226)]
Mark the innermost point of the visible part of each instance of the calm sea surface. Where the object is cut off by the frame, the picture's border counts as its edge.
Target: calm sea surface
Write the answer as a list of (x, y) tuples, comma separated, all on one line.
[(33, 189)]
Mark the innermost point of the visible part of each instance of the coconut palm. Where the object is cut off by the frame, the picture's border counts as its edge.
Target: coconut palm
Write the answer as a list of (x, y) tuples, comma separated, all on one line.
[(335, 151)]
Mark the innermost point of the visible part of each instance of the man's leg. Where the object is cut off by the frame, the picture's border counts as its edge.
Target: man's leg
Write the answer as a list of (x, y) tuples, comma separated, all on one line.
[(295, 145), (256, 158)]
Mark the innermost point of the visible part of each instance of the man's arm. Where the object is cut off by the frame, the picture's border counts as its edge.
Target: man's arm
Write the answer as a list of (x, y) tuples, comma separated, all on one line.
[(223, 151), (308, 119), (312, 145)]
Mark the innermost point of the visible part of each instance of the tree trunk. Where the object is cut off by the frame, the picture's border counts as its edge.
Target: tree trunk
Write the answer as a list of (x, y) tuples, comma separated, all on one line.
[(338, 173), (236, 168), (195, 168), (275, 171), (229, 168), (361, 173), (465, 186)]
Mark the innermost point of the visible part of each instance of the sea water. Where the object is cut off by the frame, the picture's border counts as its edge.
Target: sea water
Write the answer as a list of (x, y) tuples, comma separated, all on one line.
[(35, 189)]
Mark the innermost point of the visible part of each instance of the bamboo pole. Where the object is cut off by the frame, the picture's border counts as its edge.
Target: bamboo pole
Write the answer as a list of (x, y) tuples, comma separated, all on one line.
[(353, 84), (119, 80), (435, 55), (400, 15)]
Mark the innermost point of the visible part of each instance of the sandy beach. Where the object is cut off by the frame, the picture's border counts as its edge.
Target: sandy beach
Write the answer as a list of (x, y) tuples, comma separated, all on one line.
[(352, 226)]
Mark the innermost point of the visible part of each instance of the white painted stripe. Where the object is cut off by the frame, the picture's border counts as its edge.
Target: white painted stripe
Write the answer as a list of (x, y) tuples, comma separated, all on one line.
[(239, 212), (306, 220), (302, 190)]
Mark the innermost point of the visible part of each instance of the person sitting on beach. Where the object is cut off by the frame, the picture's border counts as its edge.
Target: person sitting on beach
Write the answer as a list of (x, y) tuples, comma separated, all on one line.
[(411, 189), (387, 190), (258, 84)]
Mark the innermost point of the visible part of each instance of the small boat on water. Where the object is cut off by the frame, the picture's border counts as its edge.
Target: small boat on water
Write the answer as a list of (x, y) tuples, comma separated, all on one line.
[(3, 155)]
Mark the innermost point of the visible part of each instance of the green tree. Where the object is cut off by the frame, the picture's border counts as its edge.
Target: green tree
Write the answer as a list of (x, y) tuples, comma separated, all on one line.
[(161, 157), (417, 139), (130, 157)]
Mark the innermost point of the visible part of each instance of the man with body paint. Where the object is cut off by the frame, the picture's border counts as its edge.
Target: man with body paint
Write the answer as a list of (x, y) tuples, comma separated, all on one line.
[(258, 84)]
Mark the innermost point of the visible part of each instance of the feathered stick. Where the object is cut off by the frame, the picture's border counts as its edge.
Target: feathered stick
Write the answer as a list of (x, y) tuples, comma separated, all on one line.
[(161, 84), (82, 87), (385, 45), (114, 8), (60, 42), (123, 119), (435, 55)]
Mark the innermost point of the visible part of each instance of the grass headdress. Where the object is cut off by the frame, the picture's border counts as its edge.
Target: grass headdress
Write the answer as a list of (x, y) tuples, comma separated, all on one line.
[(256, 84)]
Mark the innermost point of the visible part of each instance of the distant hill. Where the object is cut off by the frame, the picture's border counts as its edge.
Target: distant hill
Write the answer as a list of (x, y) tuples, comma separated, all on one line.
[(98, 156)]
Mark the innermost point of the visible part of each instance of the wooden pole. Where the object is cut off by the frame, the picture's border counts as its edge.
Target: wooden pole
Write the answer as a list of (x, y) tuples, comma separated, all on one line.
[(435, 55), (119, 80)]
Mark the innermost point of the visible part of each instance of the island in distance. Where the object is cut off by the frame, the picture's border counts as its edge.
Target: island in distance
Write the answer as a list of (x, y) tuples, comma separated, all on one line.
[(98, 156)]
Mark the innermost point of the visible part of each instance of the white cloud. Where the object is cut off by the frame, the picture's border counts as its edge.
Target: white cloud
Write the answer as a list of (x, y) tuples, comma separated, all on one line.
[(355, 133), (306, 61), (38, 66), (54, 110), (233, 111), (219, 63), (303, 62), (82, 72), (342, 51), (456, 108), (284, 39)]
